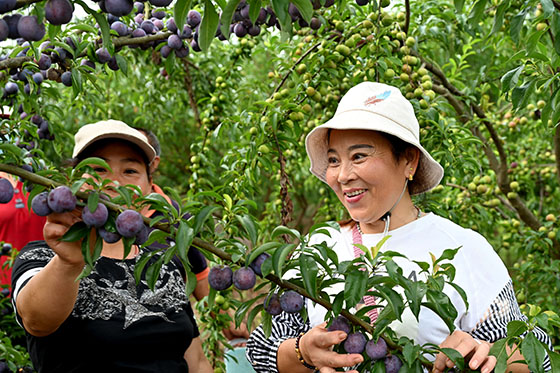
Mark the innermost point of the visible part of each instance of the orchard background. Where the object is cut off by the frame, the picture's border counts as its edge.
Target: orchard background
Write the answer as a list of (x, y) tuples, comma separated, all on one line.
[(232, 115)]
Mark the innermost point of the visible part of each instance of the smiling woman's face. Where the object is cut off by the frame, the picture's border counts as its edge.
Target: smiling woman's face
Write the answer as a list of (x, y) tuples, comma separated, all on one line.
[(127, 164), (364, 173)]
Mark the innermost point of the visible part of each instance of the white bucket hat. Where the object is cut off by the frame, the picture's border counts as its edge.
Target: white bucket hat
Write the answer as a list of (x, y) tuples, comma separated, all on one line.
[(375, 107), (111, 129)]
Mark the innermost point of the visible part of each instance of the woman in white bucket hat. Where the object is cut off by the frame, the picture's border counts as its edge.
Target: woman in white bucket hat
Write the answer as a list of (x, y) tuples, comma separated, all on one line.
[(370, 155)]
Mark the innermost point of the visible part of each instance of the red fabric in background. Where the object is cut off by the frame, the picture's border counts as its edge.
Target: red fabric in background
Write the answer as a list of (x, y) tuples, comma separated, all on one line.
[(18, 226)]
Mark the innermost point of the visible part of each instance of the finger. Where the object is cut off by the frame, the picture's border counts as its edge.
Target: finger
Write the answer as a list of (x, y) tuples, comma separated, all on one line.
[(480, 355), (466, 347), (335, 360), (489, 365), (53, 231), (440, 363)]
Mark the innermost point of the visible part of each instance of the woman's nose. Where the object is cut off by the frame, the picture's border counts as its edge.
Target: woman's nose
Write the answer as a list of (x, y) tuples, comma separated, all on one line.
[(345, 172)]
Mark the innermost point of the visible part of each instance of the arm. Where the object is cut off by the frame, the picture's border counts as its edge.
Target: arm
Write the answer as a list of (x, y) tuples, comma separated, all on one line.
[(48, 298), (196, 359)]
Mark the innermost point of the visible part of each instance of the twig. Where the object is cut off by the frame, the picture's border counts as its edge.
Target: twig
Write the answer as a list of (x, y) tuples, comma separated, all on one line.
[(407, 20)]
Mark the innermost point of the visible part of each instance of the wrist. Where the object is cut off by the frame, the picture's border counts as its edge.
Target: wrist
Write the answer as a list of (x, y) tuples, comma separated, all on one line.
[(302, 357)]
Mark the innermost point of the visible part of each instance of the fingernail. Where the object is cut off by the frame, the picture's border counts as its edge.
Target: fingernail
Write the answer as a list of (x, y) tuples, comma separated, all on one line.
[(357, 360), (485, 370), (342, 335), (474, 364)]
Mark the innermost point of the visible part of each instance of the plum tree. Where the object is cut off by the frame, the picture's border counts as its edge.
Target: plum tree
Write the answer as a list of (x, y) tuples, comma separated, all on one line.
[(244, 278), (220, 277), (142, 236), (355, 343), (376, 350), (58, 12), (272, 304), (129, 223), (257, 263), (96, 218), (30, 29), (291, 301), (103, 55), (193, 18), (61, 199), (118, 8), (39, 204), (66, 78), (175, 42)]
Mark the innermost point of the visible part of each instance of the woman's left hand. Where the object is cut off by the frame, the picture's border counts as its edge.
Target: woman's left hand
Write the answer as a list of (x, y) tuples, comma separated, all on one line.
[(473, 350)]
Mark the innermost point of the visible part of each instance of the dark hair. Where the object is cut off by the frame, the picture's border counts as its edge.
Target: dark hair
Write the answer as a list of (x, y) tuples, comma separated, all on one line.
[(152, 139), (86, 153), (398, 149)]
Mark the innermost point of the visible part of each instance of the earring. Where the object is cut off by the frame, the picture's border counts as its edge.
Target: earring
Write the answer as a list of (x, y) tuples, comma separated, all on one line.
[(410, 176)]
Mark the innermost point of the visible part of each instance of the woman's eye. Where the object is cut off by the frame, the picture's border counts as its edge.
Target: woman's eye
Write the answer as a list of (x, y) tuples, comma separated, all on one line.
[(358, 156), (332, 161), (99, 170), (131, 171)]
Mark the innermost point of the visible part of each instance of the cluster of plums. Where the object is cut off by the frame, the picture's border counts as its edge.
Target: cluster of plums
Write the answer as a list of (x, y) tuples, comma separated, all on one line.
[(129, 223)]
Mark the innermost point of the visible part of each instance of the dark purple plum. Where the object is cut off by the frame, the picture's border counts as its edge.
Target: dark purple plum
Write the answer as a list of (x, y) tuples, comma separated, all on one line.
[(171, 25), (118, 8), (158, 23), (120, 28), (139, 6), (39, 204), (362, 2), (109, 237), (187, 32), (148, 27), (160, 2), (58, 12), (239, 30), (38, 78), (142, 236), (30, 29), (175, 42), (96, 218), (43, 130), (261, 17), (294, 12), (66, 78), (257, 263), (61, 199), (139, 18), (254, 30), (129, 223), (182, 52), (194, 45), (159, 14), (355, 343), (377, 350), (340, 323), (165, 51), (7, 5), (59, 54), (291, 301), (6, 190), (392, 364), (315, 23), (138, 33), (11, 88), (103, 55), (12, 20), (4, 30), (88, 63), (220, 277), (244, 278), (113, 65), (272, 304), (6, 249), (193, 18)]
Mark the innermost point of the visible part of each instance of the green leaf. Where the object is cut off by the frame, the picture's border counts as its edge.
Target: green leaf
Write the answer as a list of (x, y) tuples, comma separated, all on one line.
[(202, 216), (76, 232), (354, 286), (554, 361), (227, 15), (547, 8), (101, 20), (519, 94), (448, 254), (140, 264), (280, 230), (180, 11), (183, 240), (516, 25), (261, 249), (152, 273), (309, 270), (499, 350), (305, 8), (280, 8), (477, 11), (208, 26), (454, 356), (93, 200), (93, 161), (459, 4), (279, 258), (191, 282), (249, 225), (511, 77), (254, 9), (533, 352), (499, 17), (122, 63), (516, 328)]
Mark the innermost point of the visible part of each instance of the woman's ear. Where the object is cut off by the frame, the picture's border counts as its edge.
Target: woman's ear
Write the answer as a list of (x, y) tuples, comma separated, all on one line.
[(412, 157), (154, 164)]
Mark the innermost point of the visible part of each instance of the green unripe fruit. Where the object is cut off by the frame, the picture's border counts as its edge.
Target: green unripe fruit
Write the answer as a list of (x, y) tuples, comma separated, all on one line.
[(343, 50), (317, 97), (385, 3), (422, 71), (301, 68), (404, 77), (430, 94), (514, 185), (410, 41), (541, 104), (253, 130), (512, 195), (387, 19), (310, 91), (541, 26), (481, 189), (551, 235), (424, 104), (427, 85), (486, 179), (418, 92), (389, 74), (367, 24), (401, 35), (219, 299), (263, 149), (339, 26), (472, 187), (307, 108)]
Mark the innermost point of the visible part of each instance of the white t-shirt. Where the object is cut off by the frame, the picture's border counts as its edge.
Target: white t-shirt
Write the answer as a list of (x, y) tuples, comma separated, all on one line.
[(479, 272)]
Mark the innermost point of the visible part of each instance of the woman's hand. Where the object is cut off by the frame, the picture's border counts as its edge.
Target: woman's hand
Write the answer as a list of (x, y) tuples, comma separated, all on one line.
[(473, 350), (57, 225), (316, 349)]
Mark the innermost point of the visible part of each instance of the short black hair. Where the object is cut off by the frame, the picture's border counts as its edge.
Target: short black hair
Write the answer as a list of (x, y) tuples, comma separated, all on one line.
[(152, 139)]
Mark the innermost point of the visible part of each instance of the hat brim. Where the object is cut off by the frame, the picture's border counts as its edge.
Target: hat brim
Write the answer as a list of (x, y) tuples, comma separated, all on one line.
[(145, 147), (428, 174)]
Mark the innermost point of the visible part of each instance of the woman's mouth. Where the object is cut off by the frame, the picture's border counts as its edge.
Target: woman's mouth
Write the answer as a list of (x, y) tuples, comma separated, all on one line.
[(354, 195)]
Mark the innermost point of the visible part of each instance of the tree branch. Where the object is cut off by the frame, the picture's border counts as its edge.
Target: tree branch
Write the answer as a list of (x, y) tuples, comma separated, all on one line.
[(407, 20)]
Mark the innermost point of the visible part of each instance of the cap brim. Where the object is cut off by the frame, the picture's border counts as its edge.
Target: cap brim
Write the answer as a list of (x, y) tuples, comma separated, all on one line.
[(427, 176), (145, 147)]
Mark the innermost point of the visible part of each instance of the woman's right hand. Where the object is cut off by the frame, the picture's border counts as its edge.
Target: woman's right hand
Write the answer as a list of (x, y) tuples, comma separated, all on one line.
[(316, 349), (56, 226)]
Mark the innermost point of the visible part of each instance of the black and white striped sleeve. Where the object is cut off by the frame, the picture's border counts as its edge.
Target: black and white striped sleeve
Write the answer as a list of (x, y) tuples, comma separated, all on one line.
[(261, 351), (503, 310)]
